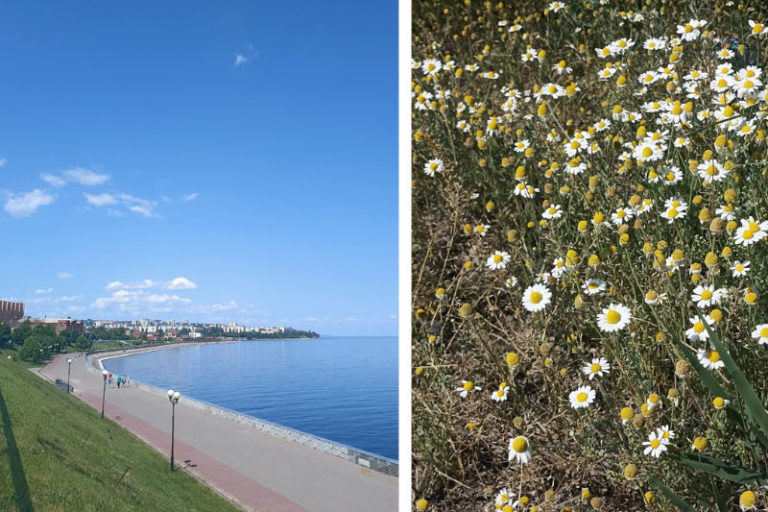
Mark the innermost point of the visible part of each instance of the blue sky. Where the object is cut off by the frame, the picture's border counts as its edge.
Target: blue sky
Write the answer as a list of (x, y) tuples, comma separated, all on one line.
[(201, 160)]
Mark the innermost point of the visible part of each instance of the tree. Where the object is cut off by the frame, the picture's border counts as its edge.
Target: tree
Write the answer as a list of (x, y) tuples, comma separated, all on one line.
[(35, 348), (21, 332), (5, 333), (83, 343)]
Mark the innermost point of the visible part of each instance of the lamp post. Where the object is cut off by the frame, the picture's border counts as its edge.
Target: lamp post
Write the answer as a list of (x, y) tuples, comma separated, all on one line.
[(104, 393), (69, 368), (174, 398)]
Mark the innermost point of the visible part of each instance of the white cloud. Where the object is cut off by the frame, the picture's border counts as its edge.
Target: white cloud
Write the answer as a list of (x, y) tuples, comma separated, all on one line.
[(65, 275), (80, 175), (85, 176), (139, 301), (224, 307), (40, 291), (180, 283), (3, 161), (100, 199), (138, 285), (24, 205), (191, 197), (138, 205), (240, 59), (53, 180)]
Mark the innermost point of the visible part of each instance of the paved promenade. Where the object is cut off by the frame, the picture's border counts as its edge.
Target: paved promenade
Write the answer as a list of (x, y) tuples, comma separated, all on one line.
[(258, 471)]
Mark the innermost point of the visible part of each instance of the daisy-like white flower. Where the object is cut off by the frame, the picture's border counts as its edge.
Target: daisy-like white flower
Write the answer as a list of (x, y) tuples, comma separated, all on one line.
[(593, 286), (552, 212), (556, 6), (654, 446), (709, 359), (750, 232), (653, 401), (740, 268), (758, 28), (614, 318), (582, 397), (559, 267), (621, 216), (522, 145), (761, 334), (711, 171), (525, 190), (481, 229), (504, 497), (498, 260), (665, 434), (536, 297), (511, 282), (467, 387), (519, 449), (652, 297), (500, 395), (433, 166), (690, 31), (698, 329), (674, 209), (431, 66), (655, 43), (707, 295), (598, 367)]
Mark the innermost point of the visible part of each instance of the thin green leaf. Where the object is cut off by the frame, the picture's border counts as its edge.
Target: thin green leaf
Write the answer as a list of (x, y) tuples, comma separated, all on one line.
[(674, 498), (722, 469)]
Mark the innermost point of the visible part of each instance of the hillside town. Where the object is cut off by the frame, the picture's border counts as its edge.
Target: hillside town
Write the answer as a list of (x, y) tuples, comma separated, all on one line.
[(12, 313)]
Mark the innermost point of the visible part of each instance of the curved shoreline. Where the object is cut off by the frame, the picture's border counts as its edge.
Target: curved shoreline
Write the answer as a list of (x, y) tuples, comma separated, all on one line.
[(360, 457)]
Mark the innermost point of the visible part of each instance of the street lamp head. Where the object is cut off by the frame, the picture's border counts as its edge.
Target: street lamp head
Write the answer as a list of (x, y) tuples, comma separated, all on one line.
[(69, 361), (170, 393), (176, 396), (105, 373)]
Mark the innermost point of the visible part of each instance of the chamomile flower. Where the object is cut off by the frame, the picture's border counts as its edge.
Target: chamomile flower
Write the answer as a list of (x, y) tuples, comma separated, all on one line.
[(707, 295), (654, 446), (552, 212), (500, 395), (757, 28), (665, 434), (498, 260), (593, 286), (433, 167), (511, 282), (598, 367), (653, 402), (674, 209), (711, 171), (481, 229), (431, 66), (582, 397), (761, 334), (698, 329), (536, 297), (621, 216), (750, 232), (467, 387), (740, 268), (709, 359), (519, 449), (504, 497), (652, 297), (614, 318)]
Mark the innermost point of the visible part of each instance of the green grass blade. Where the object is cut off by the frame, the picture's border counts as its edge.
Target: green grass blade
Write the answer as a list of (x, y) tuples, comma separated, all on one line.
[(674, 498), (722, 469)]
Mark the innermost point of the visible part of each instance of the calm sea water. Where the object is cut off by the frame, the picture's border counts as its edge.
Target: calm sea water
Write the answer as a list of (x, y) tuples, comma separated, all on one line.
[(341, 388)]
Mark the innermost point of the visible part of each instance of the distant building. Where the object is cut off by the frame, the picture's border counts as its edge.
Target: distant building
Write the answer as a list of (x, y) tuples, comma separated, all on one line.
[(11, 313), (59, 324)]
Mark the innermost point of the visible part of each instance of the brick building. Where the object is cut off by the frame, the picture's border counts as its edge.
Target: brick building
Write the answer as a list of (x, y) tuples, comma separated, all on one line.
[(11, 313)]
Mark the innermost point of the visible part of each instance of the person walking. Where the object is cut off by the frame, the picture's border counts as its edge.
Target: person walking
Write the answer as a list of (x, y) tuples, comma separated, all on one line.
[(110, 380), (119, 378)]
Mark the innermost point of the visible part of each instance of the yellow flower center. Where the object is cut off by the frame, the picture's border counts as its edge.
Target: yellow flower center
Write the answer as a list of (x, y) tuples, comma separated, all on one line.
[(688, 28), (612, 317), (647, 152), (497, 258), (520, 444), (718, 402), (433, 166), (698, 327), (651, 295), (582, 397), (728, 111), (500, 392), (713, 356), (764, 332), (677, 110), (670, 176), (655, 443), (469, 386), (595, 368), (536, 297), (757, 28), (672, 212), (706, 295), (748, 234)]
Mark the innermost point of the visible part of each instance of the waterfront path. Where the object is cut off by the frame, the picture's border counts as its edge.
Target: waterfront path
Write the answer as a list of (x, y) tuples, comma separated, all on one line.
[(254, 469)]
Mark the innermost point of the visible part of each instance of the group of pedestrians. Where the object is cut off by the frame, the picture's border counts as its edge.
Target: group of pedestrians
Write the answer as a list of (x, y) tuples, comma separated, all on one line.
[(122, 381)]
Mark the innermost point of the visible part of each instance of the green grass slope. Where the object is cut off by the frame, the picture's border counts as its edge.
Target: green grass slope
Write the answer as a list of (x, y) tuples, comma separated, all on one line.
[(57, 454)]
